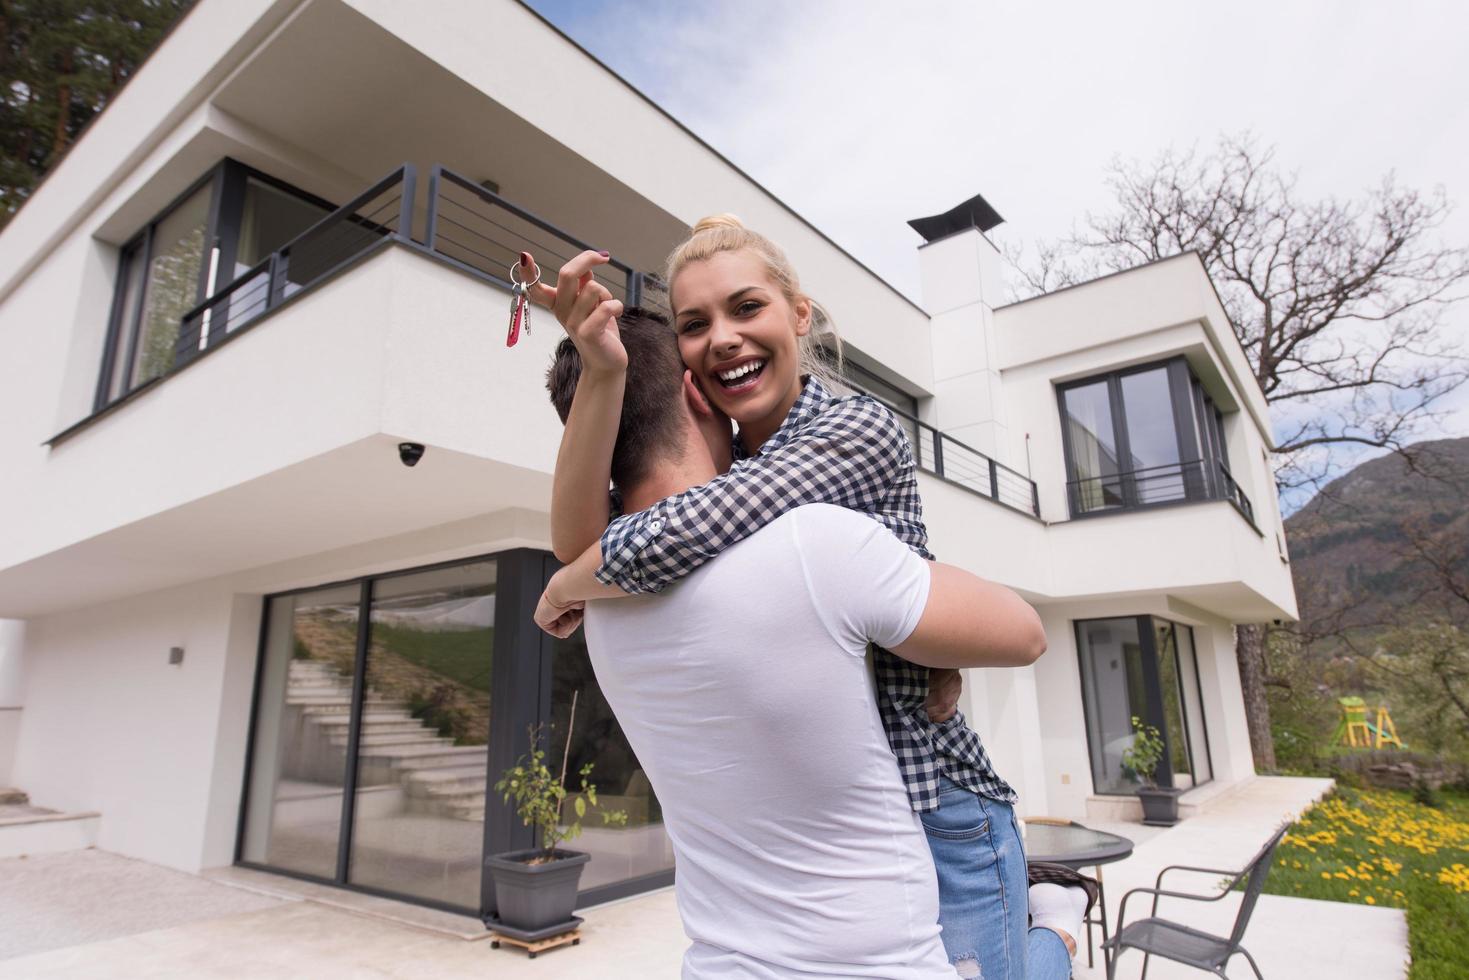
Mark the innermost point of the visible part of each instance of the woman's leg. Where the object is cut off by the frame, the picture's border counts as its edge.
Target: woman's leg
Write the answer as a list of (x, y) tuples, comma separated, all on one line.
[(982, 884)]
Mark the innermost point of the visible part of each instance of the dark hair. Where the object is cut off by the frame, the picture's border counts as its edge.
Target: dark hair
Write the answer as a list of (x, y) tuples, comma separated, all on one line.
[(650, 428)]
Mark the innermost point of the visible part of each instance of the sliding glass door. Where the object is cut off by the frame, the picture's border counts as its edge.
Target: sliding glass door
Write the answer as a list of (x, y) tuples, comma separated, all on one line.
[(1144, 667), (387, 707)]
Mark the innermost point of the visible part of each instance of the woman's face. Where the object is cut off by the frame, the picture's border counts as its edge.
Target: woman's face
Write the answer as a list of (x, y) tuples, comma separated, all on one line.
[(738, 335)]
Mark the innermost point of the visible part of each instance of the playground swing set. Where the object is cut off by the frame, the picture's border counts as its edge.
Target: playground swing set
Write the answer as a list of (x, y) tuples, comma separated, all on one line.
[(1356, 731)]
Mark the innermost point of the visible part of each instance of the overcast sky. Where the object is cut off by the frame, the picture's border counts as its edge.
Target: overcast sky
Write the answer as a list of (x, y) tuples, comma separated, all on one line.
[(861, 115)]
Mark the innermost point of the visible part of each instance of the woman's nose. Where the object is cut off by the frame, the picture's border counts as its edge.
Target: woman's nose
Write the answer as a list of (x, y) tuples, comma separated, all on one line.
[(724, 339)]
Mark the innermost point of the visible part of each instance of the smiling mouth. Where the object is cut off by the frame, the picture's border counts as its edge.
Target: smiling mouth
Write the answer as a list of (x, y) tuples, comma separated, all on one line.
[(741, 377)]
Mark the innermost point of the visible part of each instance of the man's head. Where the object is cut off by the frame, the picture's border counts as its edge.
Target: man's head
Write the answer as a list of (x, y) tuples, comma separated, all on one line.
[(656, 414)]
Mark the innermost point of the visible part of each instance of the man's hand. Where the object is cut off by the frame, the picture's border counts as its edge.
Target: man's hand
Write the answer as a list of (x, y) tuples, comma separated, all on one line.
[(944, 687), (585, 308), (558, 619)]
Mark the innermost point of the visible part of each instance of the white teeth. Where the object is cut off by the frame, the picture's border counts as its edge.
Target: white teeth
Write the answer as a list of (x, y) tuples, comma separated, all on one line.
[(741, 371)]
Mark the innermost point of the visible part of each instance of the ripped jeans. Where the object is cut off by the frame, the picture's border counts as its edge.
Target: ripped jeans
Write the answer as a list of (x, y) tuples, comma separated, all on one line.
[(984, 891)]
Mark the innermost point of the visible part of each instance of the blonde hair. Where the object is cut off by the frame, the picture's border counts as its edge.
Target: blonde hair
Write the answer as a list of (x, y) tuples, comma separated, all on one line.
[(726, 233)]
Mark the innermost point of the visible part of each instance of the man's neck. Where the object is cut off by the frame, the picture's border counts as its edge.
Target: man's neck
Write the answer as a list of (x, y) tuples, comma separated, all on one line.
[(666, 480)]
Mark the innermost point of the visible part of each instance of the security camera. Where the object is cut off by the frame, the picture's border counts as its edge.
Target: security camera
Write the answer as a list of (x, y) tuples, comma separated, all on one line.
[(410, 452)]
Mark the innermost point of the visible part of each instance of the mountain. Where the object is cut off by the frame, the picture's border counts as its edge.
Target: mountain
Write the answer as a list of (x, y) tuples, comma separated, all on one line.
[(1352, 545)]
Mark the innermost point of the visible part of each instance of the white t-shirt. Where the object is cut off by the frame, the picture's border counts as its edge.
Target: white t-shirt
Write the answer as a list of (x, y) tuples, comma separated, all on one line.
[(745, 693)]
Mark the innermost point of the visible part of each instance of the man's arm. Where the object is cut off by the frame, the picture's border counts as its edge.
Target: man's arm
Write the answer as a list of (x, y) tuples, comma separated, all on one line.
[(850, 456), (968, 622)]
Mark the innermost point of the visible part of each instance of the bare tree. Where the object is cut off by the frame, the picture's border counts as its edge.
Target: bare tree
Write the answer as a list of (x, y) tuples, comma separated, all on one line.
[(1338, 305)]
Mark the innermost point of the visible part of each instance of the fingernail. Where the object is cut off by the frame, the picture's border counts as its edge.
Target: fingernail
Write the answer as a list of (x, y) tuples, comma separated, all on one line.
[(605, 255), (525, 260)]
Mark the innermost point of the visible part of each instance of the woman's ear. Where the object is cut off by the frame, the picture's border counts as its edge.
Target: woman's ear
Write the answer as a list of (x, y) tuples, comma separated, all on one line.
[(697, 402), (803, 316)]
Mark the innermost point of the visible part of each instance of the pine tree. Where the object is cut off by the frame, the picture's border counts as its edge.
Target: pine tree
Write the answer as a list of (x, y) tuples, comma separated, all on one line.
[(61, 63)]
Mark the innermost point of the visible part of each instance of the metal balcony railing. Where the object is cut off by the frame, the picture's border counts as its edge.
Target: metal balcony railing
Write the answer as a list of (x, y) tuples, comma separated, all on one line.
[(949, 459), (1150, 486), (379, 214), (478, 230)]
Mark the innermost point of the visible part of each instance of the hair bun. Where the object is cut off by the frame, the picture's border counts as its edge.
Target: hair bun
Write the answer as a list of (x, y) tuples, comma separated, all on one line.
[(718, 221)]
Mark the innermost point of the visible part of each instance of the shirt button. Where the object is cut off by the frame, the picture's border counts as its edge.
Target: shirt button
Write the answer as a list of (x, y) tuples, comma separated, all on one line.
[(655, 525)]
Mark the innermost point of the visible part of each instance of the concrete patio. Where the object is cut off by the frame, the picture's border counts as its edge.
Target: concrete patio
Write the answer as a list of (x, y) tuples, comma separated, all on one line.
[(93, 914)]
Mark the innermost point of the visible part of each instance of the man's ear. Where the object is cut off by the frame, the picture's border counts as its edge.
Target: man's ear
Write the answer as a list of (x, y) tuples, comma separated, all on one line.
[(698, 404)]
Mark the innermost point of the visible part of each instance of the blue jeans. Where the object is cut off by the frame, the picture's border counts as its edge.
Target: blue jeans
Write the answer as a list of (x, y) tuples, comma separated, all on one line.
[(984, 891)]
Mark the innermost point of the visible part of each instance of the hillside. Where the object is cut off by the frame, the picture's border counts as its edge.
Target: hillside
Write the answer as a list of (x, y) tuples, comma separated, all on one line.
[(1349, 547)]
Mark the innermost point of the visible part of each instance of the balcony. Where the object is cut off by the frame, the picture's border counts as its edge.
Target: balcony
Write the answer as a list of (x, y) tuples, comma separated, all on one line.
[(1192, 481)]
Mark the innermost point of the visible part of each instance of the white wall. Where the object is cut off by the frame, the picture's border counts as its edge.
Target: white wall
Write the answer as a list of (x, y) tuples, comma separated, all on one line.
[(12, 692)]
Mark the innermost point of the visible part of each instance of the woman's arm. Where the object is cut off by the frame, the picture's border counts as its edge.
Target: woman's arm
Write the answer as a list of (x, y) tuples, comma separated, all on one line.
[(850, 455), (588, 312)]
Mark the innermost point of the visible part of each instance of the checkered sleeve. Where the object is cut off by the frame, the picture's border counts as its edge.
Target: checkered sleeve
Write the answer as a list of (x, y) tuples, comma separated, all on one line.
[(850, 454)]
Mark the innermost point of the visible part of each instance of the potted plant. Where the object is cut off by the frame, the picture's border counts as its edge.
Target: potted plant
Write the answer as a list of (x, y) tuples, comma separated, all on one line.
[(1160, 803), (535, 890)]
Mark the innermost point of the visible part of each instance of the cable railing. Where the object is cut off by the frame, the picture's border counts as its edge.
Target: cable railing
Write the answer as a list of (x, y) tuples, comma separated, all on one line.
[(949, 459), (381, 213), (481, 232), (1148, 486)]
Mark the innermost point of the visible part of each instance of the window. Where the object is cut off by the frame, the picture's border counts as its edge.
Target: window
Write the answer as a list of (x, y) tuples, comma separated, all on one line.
[(229, 221), (1146, 436), (386, 709), (1145, 667)]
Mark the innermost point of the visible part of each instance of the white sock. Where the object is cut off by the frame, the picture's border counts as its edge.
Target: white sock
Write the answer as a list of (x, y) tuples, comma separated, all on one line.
[(1058, 907)]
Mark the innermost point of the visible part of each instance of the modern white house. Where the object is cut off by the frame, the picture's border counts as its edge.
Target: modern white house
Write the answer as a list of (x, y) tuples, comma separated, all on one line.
[(238, 628)]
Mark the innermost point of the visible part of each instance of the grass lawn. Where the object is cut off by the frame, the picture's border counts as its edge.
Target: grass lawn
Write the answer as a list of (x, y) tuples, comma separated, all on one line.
[(1380, 847), (459, 655)]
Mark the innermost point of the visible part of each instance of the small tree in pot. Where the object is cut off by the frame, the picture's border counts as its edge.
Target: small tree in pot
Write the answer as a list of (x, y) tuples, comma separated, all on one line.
[(535, 890), (1160, 804)]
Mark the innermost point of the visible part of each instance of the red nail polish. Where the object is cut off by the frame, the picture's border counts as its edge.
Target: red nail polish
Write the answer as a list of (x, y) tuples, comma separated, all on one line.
[(525, 260)]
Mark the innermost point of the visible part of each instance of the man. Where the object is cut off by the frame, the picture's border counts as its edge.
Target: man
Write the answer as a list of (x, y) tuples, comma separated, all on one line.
[(744, 692)]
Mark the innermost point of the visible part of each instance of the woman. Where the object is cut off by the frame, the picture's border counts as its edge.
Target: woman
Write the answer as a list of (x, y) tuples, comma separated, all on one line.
[(745, 331)]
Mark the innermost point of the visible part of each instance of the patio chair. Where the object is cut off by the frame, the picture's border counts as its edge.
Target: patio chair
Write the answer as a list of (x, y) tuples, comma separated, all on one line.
[(1182, 944)]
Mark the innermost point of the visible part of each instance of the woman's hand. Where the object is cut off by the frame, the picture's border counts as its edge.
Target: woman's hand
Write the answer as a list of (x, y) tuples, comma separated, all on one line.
[(585, 308), (557, 616)]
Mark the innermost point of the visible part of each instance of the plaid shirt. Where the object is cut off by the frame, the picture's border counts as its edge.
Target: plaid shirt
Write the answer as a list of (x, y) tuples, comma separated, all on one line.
[(845, 451)]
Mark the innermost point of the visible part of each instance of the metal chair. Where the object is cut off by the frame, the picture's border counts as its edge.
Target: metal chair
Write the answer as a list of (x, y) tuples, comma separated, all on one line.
[(1177, 942), (1098, 915)]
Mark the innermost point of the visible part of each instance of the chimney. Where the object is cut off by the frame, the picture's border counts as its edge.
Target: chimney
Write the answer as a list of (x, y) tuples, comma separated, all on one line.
[(963, 281)]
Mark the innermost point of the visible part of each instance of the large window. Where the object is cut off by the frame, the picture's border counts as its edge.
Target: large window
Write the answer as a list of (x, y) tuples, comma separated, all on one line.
[(231, 219), (1144, 667), (1142, 437), (386, 709)]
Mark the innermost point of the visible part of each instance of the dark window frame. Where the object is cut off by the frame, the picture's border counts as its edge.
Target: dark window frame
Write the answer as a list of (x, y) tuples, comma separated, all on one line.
[(520, 696), (227, 181), (1198, 427), (1154, 712)]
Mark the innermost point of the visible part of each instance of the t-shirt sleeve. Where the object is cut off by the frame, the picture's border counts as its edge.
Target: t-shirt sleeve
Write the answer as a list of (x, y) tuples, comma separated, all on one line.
[(865, 584)]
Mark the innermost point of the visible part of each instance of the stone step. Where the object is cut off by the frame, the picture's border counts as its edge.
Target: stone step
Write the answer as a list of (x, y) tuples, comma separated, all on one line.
[(334, 700), (466, 812), (446, 775), (423, 737), (376, 723), (420, 757), (48, 832)]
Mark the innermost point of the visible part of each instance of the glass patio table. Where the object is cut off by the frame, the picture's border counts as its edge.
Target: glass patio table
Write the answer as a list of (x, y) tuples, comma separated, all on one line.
[(1078, 847)]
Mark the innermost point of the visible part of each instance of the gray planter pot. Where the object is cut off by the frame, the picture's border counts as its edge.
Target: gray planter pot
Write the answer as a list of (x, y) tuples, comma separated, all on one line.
[(1160, 805), (536, 897)]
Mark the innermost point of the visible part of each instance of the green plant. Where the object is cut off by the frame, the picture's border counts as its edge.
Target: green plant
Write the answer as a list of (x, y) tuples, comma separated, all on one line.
[(1425, 795), (1145, 752), (539, 795)]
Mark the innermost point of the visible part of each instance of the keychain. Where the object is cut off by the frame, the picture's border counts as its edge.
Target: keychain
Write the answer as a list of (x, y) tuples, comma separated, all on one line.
[(520, 303)]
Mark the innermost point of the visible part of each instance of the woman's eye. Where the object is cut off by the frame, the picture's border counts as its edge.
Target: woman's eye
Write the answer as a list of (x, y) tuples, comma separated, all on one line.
[(689, 326), (748, 307)]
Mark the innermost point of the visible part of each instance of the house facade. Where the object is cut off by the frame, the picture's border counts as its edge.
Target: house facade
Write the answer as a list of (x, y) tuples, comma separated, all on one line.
[(239, 627)]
